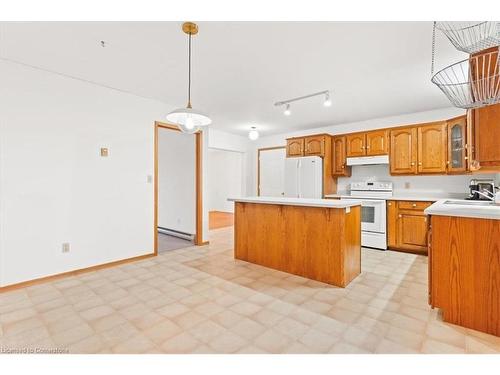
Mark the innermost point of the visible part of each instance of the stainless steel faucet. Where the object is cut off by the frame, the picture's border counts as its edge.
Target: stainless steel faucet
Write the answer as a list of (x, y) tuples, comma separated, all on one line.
[(490, 196)]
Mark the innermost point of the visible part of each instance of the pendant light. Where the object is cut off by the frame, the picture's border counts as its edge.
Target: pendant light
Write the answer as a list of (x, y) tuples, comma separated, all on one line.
[(188, 119)]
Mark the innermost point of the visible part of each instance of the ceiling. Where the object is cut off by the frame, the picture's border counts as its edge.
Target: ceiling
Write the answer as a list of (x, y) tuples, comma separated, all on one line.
[(373, 69)]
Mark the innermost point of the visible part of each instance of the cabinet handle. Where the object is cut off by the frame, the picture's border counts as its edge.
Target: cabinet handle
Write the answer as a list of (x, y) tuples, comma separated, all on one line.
[(414, 205), (343, 166), (389, 204), (412, 163), (419, 163), (448, 162), (400, 215)]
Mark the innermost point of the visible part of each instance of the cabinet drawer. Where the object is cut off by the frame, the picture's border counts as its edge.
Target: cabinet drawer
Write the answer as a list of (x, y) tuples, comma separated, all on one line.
[(413, 205)]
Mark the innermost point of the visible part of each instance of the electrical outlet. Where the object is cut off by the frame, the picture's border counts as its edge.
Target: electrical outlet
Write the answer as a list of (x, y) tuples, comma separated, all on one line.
[(65, 247), (407, 185)]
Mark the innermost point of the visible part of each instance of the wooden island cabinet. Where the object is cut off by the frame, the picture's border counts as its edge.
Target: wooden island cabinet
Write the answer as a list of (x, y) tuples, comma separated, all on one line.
[(464, 271), (315, 238)]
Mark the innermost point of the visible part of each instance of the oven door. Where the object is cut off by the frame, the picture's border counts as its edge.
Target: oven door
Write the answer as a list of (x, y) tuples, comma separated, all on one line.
[(373, 216)]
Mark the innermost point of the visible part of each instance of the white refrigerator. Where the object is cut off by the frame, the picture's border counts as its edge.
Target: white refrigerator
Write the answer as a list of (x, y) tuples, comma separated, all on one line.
[(304, 177)]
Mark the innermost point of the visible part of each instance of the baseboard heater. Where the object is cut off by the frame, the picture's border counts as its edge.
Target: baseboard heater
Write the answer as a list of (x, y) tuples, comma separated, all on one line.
[(176, 233)]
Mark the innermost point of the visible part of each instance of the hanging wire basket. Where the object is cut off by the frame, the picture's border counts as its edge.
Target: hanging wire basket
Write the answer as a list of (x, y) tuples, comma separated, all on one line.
[(471, 83), (471, 37)]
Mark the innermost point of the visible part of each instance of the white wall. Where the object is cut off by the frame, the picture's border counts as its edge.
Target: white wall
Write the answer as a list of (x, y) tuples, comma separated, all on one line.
[(177, 181), (225, 179), (456, 182), (54, 186)]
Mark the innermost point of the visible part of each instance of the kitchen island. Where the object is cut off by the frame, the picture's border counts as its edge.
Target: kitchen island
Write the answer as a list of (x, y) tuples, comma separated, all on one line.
[(464, 263), (319, 239)]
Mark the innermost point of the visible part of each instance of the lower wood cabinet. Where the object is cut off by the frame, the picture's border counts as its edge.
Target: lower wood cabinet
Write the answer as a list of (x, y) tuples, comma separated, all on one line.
[(407, 226), (464, 269)]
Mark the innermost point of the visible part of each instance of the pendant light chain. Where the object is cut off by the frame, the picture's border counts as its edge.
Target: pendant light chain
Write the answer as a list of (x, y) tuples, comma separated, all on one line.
[(189, 72), (433, 48)]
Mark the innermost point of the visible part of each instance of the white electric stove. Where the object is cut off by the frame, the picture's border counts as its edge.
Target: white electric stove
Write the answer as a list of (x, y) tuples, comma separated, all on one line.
[(373, 211)]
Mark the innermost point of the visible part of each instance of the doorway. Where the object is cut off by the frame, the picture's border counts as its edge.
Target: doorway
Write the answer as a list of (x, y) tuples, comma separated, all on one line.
[(225, 180), (178, 201)]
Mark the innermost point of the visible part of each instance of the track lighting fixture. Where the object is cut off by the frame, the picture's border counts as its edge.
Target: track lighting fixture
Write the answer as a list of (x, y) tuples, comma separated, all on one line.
[(286, 103)]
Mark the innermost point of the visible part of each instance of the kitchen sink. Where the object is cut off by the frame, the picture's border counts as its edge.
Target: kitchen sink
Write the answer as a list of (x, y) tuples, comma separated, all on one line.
[(470, 203)]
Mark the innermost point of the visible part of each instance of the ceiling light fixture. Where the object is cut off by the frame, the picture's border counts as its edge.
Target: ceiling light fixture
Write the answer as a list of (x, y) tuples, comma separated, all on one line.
[(253, 134), (188, 119), (286, 103), (287, 111)]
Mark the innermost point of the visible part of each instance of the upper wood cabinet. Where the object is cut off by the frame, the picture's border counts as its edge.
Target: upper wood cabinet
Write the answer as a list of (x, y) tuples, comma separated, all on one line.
[(367, 144), (403, 155), (314, 145), (421, 149), (486, 145), (432, 148), (377, 143), (457, 145), (295, 147), (339, 167), (355, 145)]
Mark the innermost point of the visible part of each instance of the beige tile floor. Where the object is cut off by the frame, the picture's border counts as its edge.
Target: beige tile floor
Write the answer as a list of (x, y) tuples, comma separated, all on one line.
[(200, 300)]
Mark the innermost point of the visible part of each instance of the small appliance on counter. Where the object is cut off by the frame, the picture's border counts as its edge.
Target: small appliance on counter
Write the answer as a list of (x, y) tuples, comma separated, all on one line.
[(481, 190)]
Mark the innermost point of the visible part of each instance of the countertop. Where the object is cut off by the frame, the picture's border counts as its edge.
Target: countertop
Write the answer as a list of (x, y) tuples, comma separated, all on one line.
[(424, 196), (298, 201), (440, 208)]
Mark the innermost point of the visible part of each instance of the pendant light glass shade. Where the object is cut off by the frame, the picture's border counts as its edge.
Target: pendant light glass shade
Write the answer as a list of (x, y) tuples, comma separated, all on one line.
[(187, 119)]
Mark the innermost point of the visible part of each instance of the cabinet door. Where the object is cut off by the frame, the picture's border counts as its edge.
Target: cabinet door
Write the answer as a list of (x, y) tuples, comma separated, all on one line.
[(339, 167), (295, 147), (412, 231), (392, 220), (487, 135), (314, 145), (457, 159), (403, 155), (432, 148), (377, 142), (355, 145)]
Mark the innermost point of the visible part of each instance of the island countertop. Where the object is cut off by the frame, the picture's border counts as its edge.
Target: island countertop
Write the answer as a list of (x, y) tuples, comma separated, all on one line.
[(306, 202), (460, 208)]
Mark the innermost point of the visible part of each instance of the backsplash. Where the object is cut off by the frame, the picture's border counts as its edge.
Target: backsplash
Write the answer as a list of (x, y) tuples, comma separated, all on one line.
[(437, 184)]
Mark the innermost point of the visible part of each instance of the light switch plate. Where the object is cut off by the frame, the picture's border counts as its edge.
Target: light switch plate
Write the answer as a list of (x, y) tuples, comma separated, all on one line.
[(104, 152)]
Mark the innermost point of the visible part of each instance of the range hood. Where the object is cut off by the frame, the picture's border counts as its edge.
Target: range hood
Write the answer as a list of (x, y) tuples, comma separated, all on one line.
[(368, 160)]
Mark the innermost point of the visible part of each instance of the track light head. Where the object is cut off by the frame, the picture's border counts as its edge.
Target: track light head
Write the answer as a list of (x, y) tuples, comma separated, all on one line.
[(287, 111), (327, 102)]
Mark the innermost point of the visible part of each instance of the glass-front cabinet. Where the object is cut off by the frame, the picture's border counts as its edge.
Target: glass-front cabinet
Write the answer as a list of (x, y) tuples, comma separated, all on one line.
[(457, 145)]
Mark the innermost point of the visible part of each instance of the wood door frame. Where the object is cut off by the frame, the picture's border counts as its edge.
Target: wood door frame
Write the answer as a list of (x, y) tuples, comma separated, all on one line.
[(258, 162), (198, 238)]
